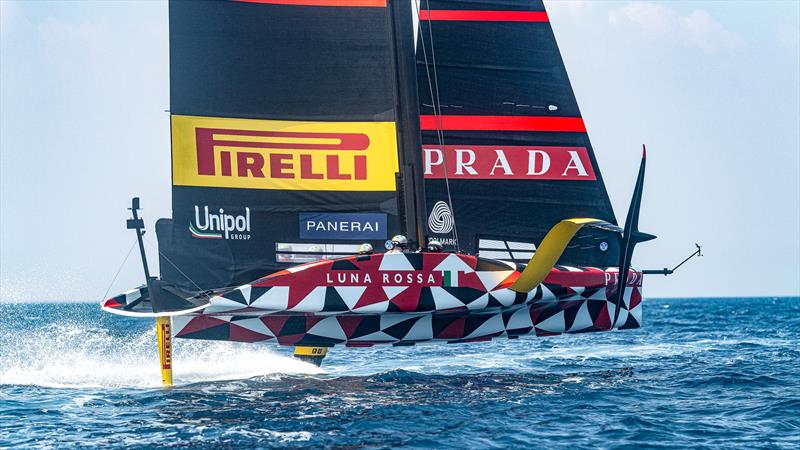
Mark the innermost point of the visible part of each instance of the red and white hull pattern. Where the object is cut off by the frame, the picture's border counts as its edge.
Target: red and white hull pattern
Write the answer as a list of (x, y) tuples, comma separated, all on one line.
[(406, 298)]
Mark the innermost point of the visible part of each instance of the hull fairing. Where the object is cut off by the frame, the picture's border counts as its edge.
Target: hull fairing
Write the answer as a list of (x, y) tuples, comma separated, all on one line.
[(407, 298)]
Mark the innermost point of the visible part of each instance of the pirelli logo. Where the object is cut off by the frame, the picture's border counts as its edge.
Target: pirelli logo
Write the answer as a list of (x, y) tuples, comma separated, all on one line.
[(284, 155)]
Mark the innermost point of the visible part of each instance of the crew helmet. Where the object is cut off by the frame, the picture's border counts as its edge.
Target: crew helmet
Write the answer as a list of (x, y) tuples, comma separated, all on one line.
[(435, 246), (366, 249), (400, 241)]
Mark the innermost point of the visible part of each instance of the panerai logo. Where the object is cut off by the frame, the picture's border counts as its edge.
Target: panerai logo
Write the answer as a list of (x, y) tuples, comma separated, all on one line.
[(343, 226), (220, 225)]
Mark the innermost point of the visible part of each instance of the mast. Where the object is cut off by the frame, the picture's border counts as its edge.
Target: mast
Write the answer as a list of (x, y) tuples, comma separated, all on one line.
[(408, 127)]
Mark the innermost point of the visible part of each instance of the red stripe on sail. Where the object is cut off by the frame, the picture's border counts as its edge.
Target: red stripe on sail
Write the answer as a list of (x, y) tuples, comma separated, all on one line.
[(503, 123), (483, 16), (367, 3)]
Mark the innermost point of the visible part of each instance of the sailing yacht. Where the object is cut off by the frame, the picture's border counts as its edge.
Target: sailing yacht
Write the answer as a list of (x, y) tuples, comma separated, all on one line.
[(302, 129)]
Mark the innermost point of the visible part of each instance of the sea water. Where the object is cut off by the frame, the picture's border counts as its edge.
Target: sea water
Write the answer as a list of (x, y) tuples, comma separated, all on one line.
[(702, 373)]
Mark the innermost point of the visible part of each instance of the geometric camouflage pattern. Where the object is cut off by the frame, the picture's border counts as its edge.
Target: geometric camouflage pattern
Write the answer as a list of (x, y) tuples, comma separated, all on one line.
[(406, 298)]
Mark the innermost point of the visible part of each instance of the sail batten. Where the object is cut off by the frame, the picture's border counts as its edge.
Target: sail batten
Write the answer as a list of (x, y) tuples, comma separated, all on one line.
[(516, 123), (483, 15), (330, 3)]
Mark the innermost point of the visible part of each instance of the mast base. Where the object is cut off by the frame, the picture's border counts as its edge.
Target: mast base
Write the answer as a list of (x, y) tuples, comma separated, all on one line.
[(313, 355)]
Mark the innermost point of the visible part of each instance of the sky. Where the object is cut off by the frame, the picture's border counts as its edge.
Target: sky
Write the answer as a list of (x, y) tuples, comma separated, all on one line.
[(712, 88)]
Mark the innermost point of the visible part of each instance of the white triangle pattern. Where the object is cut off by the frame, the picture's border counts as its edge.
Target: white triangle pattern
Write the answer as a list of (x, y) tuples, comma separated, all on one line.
[(445, 300), (222, 304), (393, 291), (255, 325), (350, 294), (520, 320), (313, 302), (583, 319), (479, 303), (275, 299), (395, 261), (554, 324), (378, 336), (328, 327), (246, 289), (375, 308), (491, 326), (491, 279), (454, 263), (422, 330)]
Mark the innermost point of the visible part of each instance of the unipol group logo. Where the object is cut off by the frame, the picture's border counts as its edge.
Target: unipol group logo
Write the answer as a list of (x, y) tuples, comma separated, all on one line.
[(218, 224), (508, 162), (270, 154), (441, 218)]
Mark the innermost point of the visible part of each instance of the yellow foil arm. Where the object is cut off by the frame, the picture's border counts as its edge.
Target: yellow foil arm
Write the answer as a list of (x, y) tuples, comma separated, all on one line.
[(550, 250)]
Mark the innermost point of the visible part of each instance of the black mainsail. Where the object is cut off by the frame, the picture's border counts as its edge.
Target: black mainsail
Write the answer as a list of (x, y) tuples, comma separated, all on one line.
[(286, 120), (498, 111), (296, 135)]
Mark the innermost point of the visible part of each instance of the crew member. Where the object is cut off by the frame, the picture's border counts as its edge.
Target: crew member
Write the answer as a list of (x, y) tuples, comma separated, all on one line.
[(316, 253), (399, 244), (365, 249), (434, 246)]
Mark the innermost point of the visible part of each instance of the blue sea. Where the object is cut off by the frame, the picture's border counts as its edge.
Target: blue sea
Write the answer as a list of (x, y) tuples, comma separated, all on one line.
[(702, 373)]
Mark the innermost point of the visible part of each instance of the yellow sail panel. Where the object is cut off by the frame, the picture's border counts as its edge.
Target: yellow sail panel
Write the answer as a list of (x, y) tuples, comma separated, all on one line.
[(284, 155)]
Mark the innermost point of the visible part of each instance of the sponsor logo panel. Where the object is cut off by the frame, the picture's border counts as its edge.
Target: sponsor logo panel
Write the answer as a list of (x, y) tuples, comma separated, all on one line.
[(440, 219), (166, 346), (343, 226), (388, 278), (507, 162), (283, 155), (218, 223)]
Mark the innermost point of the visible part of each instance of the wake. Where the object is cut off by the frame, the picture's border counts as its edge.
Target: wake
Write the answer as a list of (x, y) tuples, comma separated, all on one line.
[(69, 355)]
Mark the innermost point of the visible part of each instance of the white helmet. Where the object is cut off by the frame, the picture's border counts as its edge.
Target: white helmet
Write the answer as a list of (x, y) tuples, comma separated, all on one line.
[(366, 249), (400, 241), (435, 246)]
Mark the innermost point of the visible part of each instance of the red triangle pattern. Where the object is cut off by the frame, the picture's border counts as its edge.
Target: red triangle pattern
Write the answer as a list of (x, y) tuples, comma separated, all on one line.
[(241, 334), (371, 295), (349, 324), (603, 321), (200, 323), (455, 330)]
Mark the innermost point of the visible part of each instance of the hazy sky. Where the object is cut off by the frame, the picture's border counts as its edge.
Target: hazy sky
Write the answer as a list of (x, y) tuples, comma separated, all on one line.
[(713, 88)]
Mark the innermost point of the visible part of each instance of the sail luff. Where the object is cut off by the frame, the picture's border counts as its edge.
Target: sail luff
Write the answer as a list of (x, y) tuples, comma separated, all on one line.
[(408, 122)]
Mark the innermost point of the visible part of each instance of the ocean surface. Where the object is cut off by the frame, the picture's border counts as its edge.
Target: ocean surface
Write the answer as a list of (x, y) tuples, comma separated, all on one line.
[(702, 373)]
